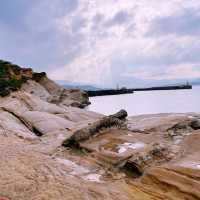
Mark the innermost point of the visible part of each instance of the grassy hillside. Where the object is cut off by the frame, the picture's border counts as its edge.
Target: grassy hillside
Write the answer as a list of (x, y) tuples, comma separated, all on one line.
[(11, 78)]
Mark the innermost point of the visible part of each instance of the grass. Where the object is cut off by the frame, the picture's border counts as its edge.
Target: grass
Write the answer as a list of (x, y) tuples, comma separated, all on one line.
[(9, 83), (3, 69)]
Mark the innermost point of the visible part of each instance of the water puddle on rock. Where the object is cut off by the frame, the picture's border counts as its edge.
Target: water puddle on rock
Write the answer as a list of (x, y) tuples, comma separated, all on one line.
[(92, 177), (190, 164), (125, 146), (81, 171)]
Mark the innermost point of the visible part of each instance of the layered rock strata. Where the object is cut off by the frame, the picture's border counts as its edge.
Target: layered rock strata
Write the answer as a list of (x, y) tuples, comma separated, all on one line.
[(149, 157)]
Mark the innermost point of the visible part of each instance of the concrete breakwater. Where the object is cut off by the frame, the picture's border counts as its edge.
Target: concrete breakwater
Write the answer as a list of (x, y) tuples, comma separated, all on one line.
[(175, 87), (131, 90), (109, 92)]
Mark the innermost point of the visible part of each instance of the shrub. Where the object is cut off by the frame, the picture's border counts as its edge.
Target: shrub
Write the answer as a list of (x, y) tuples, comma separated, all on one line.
[(3, 71), (9, 83)]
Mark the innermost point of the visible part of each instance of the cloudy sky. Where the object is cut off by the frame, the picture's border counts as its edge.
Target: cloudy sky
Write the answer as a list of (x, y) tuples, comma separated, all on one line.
[(103, 41)]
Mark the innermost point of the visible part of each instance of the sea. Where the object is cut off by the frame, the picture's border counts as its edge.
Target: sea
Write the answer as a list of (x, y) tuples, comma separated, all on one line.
[(149, 102)]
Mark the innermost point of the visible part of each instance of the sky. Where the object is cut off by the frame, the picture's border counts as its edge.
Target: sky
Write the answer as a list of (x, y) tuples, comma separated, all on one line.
[(103, 42)]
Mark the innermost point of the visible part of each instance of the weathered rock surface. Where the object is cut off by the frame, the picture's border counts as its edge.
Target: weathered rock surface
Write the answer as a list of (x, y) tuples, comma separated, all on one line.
[(53, 93), (149, 157), (92, 129), (121, 163), (162, 151), (14, 77)]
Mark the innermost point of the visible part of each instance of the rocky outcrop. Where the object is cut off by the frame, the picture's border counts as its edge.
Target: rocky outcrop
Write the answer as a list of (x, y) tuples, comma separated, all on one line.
[(149, 157), (96, 127), (121, 163), (42, 115), (160, 151), (13, 78), (53, 93)]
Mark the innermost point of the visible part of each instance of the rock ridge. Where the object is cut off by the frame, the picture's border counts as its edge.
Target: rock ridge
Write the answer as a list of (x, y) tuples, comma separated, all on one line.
[(14, 78)]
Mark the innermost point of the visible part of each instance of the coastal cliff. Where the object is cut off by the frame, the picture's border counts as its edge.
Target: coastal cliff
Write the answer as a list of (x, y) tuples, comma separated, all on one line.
[(51, 149), (14, 77)]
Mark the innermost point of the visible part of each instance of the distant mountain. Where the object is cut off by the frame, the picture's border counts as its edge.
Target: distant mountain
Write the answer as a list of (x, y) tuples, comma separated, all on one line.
[(82, 87), (195, 82), (130, 83), (77, 85)]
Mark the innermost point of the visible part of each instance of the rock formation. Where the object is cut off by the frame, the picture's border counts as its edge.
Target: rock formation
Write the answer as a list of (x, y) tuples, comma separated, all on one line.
[(149, 157), (13, 78), (94, 128)]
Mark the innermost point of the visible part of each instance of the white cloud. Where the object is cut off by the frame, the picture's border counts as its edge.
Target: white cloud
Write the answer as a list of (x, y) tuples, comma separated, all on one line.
[(169, 72), (99, 41), (123, 45)]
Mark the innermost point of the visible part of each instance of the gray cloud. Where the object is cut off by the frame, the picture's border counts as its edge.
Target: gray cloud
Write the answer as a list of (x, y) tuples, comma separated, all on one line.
[(29, 33), (98, 18), (66, 37), (186, 22), (120, 18)]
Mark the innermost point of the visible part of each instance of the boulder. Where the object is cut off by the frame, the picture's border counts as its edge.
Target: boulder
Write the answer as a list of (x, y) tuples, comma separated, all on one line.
[(94, 128), (122, 114)]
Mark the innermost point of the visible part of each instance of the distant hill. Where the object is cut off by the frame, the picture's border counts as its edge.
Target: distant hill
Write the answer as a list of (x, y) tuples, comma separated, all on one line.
[(195, 82), (82, 87), (130, 83), (78, 85)]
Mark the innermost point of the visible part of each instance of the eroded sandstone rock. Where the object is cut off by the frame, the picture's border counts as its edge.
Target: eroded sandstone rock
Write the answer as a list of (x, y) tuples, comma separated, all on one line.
[(155, 157), (38, 167), (94, 128), (14, 77)]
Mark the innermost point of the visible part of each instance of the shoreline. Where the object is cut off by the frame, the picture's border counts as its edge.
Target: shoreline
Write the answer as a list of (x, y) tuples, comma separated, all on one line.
[(149, 102)]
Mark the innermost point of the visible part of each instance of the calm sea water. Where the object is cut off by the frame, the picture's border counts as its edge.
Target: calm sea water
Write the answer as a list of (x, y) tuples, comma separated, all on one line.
[(149, 102)]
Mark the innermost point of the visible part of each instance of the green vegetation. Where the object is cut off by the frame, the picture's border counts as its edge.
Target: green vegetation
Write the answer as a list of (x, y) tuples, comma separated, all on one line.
[(8, 82), (3, 69)]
